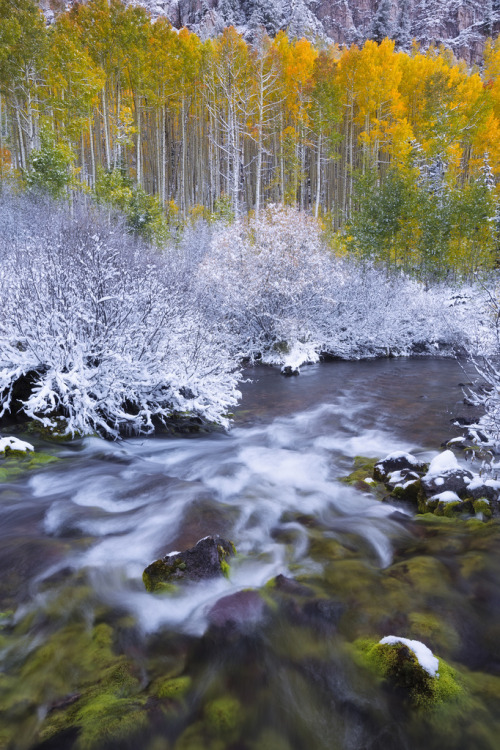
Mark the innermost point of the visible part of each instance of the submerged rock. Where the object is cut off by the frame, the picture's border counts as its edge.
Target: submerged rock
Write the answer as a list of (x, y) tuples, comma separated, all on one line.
[(241, 609), (207, 559)]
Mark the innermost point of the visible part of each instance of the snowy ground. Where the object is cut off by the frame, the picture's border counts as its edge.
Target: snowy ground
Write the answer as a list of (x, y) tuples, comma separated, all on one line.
[(118, 337)]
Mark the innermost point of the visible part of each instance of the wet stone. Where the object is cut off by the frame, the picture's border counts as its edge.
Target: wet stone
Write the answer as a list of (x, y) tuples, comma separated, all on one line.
[(397, 462), (207, 559), (240, 609), (290, 586)]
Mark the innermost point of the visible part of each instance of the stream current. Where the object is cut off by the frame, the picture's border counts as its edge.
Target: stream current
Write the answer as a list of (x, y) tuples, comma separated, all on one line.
[(244, 662)]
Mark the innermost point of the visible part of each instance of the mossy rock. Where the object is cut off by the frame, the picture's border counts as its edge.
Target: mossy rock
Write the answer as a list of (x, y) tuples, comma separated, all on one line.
[(207, 559), (173, 688), (363, 468), (425, 575), (433, 630), (454, 509), (108, 718), (90, 691), (195, 738), (156, 577), (399, 667), (223, 716), (54, 434), (409, 492), (13, 464), (483, 508)]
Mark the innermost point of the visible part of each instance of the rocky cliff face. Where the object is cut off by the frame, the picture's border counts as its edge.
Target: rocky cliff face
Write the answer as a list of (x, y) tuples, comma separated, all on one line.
[(462, 25)]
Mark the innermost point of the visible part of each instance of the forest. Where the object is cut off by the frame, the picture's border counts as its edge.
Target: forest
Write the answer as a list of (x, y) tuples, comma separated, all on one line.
[(249, 388), (398, 154), (173, 208)]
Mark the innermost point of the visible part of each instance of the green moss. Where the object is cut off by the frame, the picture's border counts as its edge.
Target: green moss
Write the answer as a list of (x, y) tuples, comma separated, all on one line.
[(106, 717), (194, 738), (174, 688), (451, 510), (14, 464), (55, 434), (156, 575), (363, 468), (433, 630), (398, 665), (107, 705), (482, 506), (472, 564), (431, 520), (223, 715), (410, 494), (425, 575)]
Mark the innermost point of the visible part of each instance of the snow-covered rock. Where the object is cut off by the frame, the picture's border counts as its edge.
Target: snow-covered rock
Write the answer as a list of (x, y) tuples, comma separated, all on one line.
[(442, 464), (397, 467), (446, 476), (446, 497), (14, 444), (424, 655)]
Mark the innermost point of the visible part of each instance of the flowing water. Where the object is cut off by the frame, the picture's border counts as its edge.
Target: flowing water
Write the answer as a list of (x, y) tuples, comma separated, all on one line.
[(267, 658)]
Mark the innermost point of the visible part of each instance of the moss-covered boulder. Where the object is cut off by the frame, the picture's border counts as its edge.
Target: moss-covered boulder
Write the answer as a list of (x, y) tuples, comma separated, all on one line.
[(18, 456), (223, 715), (411, 669), (442, 487), (207, 559), (12, 444)]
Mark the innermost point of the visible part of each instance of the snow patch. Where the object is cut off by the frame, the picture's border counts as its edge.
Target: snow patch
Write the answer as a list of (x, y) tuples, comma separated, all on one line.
[(442, 464), (446, 497), (424, 655), (402, 454), (14, 444)]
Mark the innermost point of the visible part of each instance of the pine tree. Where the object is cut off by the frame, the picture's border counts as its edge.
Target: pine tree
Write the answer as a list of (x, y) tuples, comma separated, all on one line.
[(402, 29), (231, 12), (262, 13), (382, 25)]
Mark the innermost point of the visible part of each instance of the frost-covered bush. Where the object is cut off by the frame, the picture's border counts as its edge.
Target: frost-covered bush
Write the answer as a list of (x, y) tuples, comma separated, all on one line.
[(287, 298), (271, 278), (115, 337), (110, 337), (484, 354)]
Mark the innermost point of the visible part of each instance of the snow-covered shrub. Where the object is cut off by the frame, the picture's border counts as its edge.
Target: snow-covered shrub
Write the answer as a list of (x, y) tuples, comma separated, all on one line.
[(271, 277), (380, 313), (484, 354), (288, 299), (111, 338)]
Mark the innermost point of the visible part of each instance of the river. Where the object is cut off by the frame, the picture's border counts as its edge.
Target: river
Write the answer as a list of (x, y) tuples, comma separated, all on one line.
[(252, 661)]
